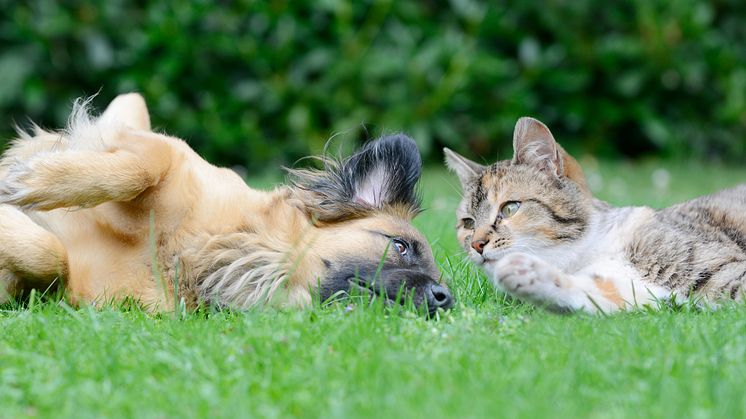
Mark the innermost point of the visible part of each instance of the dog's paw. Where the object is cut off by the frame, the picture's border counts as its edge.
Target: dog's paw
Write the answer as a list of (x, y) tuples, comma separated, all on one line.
[(31, 184), (14, 187), (526, 276)]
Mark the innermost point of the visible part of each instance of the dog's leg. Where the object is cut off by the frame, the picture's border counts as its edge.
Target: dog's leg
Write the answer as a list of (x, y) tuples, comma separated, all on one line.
[(30, 256), (131, 163)]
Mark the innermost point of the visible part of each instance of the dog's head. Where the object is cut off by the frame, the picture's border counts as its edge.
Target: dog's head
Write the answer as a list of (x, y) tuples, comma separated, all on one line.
[(363, 207)]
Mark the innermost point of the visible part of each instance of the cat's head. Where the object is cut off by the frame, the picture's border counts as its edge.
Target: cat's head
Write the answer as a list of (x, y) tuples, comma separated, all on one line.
[(538, 200)]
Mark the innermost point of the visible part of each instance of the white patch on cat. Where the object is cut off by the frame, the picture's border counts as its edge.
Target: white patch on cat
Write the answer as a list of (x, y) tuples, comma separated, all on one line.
[(606, 286), (585, 275)]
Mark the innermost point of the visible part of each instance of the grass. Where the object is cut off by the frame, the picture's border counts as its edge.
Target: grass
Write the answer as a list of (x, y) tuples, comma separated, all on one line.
[(489, 357)]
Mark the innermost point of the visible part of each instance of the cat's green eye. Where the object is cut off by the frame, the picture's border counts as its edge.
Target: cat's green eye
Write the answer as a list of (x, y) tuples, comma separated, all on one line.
[(468, 223), (509, 209)]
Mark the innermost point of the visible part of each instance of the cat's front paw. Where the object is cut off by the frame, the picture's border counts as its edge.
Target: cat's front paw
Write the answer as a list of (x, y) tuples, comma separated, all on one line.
[(526, 276)]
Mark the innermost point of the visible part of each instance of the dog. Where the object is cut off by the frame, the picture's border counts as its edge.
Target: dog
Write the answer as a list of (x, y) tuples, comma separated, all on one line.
[(114, 210)]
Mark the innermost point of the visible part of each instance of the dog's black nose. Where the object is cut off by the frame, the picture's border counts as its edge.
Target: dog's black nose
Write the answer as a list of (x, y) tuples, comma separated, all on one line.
[(438, 296)]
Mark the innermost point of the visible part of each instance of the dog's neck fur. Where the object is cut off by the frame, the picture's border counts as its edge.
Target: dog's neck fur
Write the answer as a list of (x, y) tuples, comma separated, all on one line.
[(252, 264)]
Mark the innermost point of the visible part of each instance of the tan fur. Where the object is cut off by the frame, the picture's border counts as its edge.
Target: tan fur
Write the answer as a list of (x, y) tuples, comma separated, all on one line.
[(609, 290), (117, 211), (30, 252)]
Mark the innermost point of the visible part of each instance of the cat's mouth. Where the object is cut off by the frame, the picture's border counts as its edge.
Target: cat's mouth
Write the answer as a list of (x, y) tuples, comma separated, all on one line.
[(492, 257), (481, 259), (494, 254), (476, 258), (487, 261)]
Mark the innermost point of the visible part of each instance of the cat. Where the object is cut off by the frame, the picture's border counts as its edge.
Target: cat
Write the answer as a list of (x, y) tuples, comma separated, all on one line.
[(535, 228)]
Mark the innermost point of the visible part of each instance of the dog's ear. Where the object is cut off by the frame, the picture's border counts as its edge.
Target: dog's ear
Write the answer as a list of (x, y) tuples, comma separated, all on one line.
[(465, 169), (383, 173), (129, 110)]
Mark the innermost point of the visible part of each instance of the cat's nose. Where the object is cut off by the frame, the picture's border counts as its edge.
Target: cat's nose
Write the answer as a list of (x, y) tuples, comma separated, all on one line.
[(478, 245)]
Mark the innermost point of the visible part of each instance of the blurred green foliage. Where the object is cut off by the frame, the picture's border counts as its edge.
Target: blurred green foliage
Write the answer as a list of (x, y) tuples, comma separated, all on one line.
[(258, 82)]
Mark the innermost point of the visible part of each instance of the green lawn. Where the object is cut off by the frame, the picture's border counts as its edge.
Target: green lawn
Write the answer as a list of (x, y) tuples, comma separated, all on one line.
[(489, 357)]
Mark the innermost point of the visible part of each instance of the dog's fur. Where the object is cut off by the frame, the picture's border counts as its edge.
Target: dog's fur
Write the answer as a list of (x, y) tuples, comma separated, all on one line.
[(115, 210)]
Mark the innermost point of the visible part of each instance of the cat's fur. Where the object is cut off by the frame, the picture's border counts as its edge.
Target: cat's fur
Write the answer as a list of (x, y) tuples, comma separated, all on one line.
[(565, 250)]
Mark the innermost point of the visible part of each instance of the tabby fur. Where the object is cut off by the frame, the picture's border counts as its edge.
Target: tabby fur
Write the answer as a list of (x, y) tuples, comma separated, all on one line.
[(567, 251)]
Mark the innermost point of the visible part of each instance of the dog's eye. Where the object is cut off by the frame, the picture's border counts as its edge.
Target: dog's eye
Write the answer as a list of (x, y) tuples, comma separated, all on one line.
[(509, 209), (401, 246), (468, 223)]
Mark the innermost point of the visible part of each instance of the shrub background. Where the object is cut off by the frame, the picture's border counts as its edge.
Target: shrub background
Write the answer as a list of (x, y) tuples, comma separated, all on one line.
[(252, 82)]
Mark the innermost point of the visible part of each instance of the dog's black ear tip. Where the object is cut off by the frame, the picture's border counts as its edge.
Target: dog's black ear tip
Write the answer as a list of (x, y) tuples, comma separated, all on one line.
[(398, 139), (399, 146)]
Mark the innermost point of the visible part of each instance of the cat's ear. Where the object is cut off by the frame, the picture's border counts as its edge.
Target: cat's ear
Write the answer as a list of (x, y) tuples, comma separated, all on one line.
[(465, 169), (534, 144)]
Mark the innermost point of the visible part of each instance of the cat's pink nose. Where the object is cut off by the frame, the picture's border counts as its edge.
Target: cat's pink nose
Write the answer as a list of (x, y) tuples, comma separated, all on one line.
[(478, 245)]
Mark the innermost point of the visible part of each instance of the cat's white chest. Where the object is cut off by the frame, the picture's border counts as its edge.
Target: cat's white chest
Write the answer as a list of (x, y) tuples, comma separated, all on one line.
[(607, 237)]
